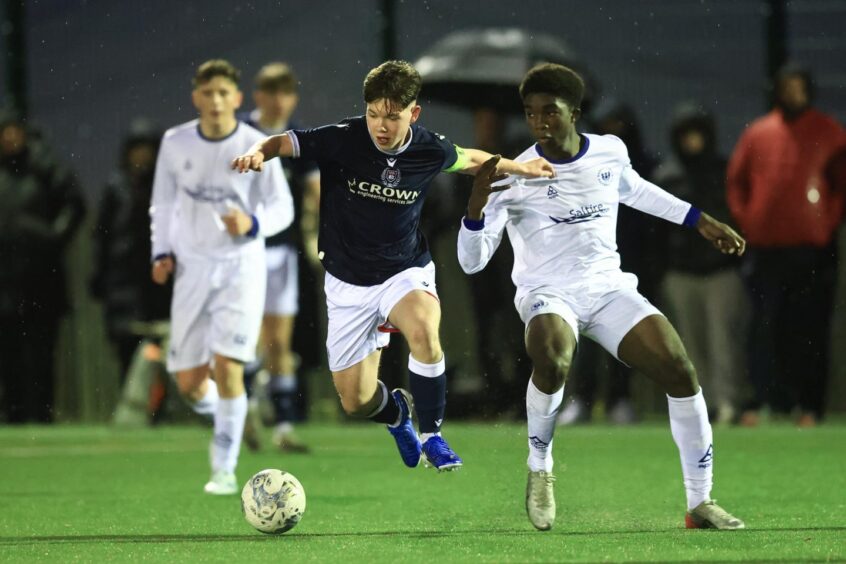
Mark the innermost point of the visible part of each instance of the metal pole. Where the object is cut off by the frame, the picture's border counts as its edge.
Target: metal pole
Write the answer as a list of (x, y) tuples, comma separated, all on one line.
[(776, 39), (388, 29), (12, 28)]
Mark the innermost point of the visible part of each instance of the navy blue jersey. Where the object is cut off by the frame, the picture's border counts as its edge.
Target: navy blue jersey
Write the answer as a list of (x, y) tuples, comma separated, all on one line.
[(296, 171), (370, 200)]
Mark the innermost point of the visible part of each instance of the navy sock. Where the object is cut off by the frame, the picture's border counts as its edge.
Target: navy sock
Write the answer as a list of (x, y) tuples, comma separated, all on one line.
[(428, 387), (251, 370), (283, 396), (387, 411)]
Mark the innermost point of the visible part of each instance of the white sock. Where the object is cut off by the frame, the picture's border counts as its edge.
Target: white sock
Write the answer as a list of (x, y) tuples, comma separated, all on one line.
[(540, 412), (228, 431), (426, 436), (692, 433), (207, 405)]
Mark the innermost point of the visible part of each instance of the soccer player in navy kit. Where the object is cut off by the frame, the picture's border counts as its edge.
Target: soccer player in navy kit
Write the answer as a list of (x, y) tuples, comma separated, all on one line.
[(375, 173)]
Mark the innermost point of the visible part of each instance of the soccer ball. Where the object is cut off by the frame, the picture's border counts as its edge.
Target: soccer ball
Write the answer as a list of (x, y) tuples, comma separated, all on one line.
[(273, 501)]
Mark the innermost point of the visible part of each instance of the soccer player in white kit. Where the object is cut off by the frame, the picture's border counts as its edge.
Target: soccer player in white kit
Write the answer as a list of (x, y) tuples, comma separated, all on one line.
[(208, 229), (569, 282)]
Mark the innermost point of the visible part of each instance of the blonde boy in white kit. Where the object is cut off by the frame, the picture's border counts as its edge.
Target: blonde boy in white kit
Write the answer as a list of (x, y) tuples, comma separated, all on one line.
[(208, 230), (568, 278)]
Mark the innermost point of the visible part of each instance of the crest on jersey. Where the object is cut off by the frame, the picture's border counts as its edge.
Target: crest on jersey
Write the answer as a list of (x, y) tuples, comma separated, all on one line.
[(391, 177), (605, 176)]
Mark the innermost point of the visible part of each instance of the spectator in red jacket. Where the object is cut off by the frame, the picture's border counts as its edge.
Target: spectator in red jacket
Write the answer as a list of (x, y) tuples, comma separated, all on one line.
[(786, 192)]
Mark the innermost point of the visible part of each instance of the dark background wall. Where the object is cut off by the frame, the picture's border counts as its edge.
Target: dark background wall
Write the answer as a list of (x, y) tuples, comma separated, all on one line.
[(93, 65)]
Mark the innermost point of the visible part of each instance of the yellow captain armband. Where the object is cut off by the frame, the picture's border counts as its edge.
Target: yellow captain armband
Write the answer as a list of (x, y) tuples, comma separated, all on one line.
[(461, 160)]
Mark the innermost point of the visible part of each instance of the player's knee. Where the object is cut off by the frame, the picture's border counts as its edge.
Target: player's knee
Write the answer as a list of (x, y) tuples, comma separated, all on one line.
[(550, 368), (679, 374), (189, 389), (277, 346), (554, 372), (424, 344)]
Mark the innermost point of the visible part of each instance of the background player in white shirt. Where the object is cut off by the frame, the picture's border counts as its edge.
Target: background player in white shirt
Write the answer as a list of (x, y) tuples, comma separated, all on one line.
[(208, 229), (375, 174), (568, 279)]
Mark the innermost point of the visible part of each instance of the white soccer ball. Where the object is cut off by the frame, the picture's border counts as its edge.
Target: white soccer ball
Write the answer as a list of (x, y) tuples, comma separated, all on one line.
[(273, 501)]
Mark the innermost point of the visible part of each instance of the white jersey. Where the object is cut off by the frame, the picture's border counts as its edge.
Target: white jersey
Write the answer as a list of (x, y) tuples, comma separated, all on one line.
[(563, 230), (194, 185)]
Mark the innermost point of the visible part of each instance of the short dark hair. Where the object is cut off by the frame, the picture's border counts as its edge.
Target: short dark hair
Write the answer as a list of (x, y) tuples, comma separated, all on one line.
[(213, 68), (397, 81), (792, 70), (558, 80), (276, 77)]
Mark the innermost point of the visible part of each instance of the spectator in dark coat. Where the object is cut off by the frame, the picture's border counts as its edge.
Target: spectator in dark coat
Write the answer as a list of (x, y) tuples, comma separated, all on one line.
[(121, 278), (703, 290), (41, 209)]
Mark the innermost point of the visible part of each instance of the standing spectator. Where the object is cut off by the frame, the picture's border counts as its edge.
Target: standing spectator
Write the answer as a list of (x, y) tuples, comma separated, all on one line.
[(703, 290), (42, 208), (782, 196), (638, 242), (122, 246)]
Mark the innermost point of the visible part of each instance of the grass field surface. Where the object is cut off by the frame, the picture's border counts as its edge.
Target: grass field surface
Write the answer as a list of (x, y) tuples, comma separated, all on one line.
[(98, 494)]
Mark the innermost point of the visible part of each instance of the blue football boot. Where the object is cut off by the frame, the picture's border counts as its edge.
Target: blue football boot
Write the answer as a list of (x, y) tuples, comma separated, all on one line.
[(404, 434), (438, 455)]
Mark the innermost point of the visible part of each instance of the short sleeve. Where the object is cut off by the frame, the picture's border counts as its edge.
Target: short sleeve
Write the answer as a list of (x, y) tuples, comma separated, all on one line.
[(321, 143), (452, 153)]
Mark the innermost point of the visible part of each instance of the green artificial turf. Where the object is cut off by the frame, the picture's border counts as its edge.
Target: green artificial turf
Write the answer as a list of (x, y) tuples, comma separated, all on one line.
[(72, 493)]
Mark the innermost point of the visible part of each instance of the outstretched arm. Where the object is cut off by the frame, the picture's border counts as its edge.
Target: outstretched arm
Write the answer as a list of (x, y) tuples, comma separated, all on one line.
[(642, 195), (264, 150), (535, 168), (721, 235)]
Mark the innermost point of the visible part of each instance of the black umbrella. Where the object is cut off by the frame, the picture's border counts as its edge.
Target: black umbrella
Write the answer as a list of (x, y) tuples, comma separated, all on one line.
[(483, 68)]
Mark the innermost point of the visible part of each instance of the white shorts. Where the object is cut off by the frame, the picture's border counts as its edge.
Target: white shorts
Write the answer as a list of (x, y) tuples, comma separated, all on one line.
[(358, 315), (283, 291), (605, 318), (216, 308)]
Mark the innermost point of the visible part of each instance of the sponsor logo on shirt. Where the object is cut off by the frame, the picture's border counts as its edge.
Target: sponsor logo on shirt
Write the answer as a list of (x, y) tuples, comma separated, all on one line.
[(552, 192), (538, 304), (583, 214), (605, 176), (391, 176), (202, 193), (389, 194)]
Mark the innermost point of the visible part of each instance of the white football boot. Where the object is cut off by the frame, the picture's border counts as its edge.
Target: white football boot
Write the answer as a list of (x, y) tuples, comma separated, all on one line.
[(540, 499), (222, 483)]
